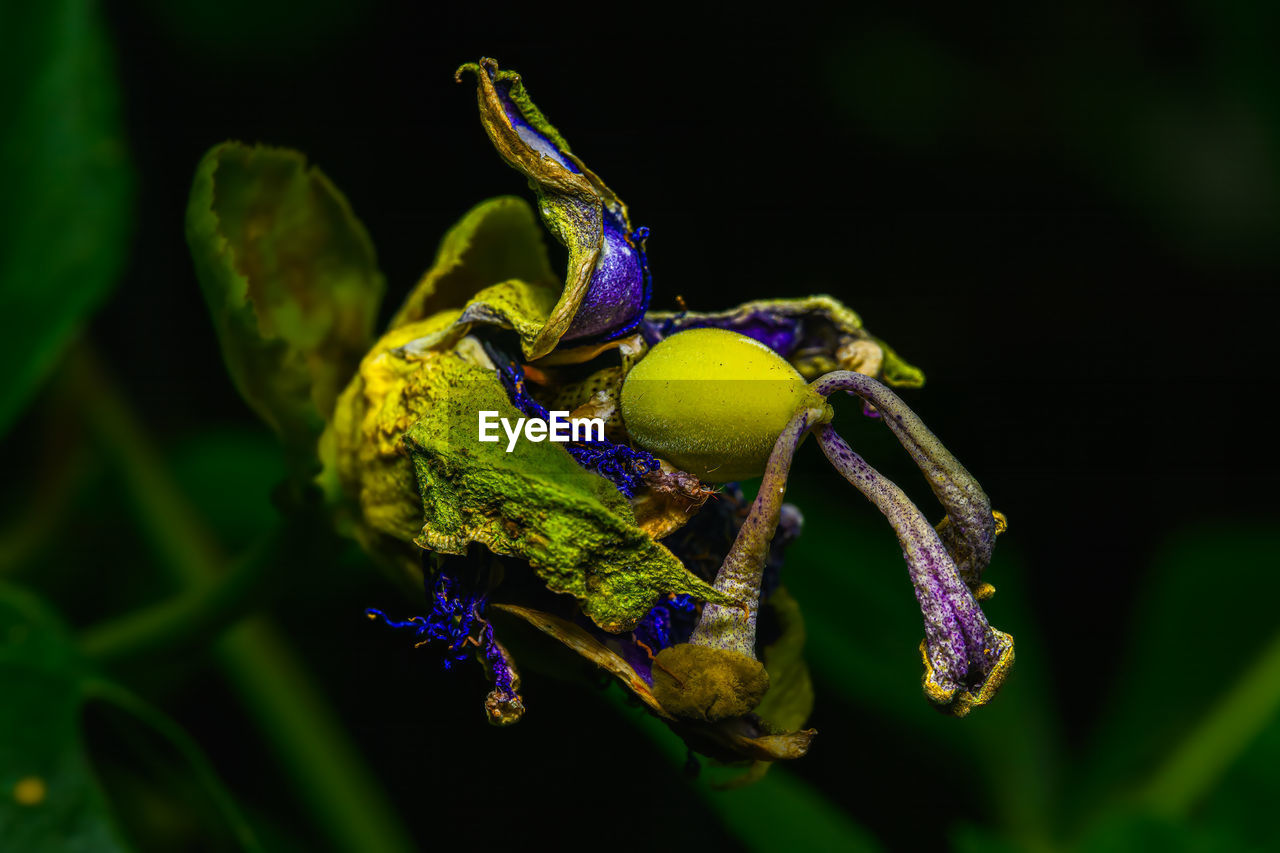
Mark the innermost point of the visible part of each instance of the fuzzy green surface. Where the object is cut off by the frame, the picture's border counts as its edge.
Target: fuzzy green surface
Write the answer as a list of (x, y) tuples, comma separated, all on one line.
[(701, 683), (537, 504), (712, 402)]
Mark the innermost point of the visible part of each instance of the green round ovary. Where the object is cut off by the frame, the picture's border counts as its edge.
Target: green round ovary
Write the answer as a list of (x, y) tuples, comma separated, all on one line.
[(712, 402)]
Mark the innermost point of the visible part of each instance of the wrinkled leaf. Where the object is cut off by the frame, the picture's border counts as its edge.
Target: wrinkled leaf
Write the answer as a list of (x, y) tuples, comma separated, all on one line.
[(405, 449), (536, 503), (54, 791), (291, 281), (65, 209)]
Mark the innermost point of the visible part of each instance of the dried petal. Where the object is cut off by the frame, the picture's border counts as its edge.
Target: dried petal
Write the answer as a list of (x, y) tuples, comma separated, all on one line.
[(606, 285), (816, 334)]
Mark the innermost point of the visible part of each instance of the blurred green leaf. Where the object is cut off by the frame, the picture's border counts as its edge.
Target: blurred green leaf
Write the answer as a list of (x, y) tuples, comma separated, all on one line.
[(1238, 816), (229, 474), (1243, 805), (1204, 616), (291, 280), (65, 210), (63, 783)]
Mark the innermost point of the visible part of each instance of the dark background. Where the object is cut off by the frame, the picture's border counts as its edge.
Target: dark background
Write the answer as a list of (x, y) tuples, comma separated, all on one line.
[(1067, 218)]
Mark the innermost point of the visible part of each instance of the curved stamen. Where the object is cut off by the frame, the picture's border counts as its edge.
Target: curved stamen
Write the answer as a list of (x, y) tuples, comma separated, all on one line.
[(962, 650), (969, 530)]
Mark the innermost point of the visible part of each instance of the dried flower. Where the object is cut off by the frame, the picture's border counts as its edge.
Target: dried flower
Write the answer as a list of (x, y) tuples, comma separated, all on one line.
[(634, 548)]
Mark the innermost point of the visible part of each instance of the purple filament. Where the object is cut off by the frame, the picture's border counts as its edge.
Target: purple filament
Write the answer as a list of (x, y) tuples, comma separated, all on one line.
[(670, 621), (455, 612)]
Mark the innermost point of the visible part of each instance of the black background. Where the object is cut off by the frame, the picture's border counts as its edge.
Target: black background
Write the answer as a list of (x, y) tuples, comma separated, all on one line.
[(1067, 219)]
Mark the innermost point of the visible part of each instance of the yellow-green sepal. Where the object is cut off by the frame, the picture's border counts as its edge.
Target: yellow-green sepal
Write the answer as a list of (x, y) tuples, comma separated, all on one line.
[(291, 280), (496, 241), (493, 266), (789, 702)]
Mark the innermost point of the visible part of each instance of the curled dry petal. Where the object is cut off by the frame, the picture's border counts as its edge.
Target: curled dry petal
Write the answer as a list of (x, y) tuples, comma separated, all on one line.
[(816, 334), (606, 286)]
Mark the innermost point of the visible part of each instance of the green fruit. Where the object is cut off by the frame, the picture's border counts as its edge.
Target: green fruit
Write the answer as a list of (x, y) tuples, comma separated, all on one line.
[(712, 402)]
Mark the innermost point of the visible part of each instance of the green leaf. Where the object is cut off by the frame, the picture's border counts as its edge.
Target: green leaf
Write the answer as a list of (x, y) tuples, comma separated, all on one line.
[(534, 502), (1243, 804), (65, 211), (56, 771), (291, 280), (229, 474)]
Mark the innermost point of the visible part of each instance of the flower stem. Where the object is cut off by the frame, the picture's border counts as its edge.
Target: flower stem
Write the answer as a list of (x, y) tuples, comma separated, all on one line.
[(324, 767), (202, 612), (734, 627)]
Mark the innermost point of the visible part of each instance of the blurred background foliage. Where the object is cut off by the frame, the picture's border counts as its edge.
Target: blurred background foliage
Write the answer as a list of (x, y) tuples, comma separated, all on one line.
[(1067, 216)]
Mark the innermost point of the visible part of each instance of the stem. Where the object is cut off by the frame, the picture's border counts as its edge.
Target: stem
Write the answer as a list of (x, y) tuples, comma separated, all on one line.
[(200, 613), (63, 467), (332, 780), (734, 627), (1226, 730)]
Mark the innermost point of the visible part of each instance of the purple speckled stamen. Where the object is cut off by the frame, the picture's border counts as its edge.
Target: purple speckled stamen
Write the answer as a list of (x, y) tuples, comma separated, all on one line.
[(958, 638)]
